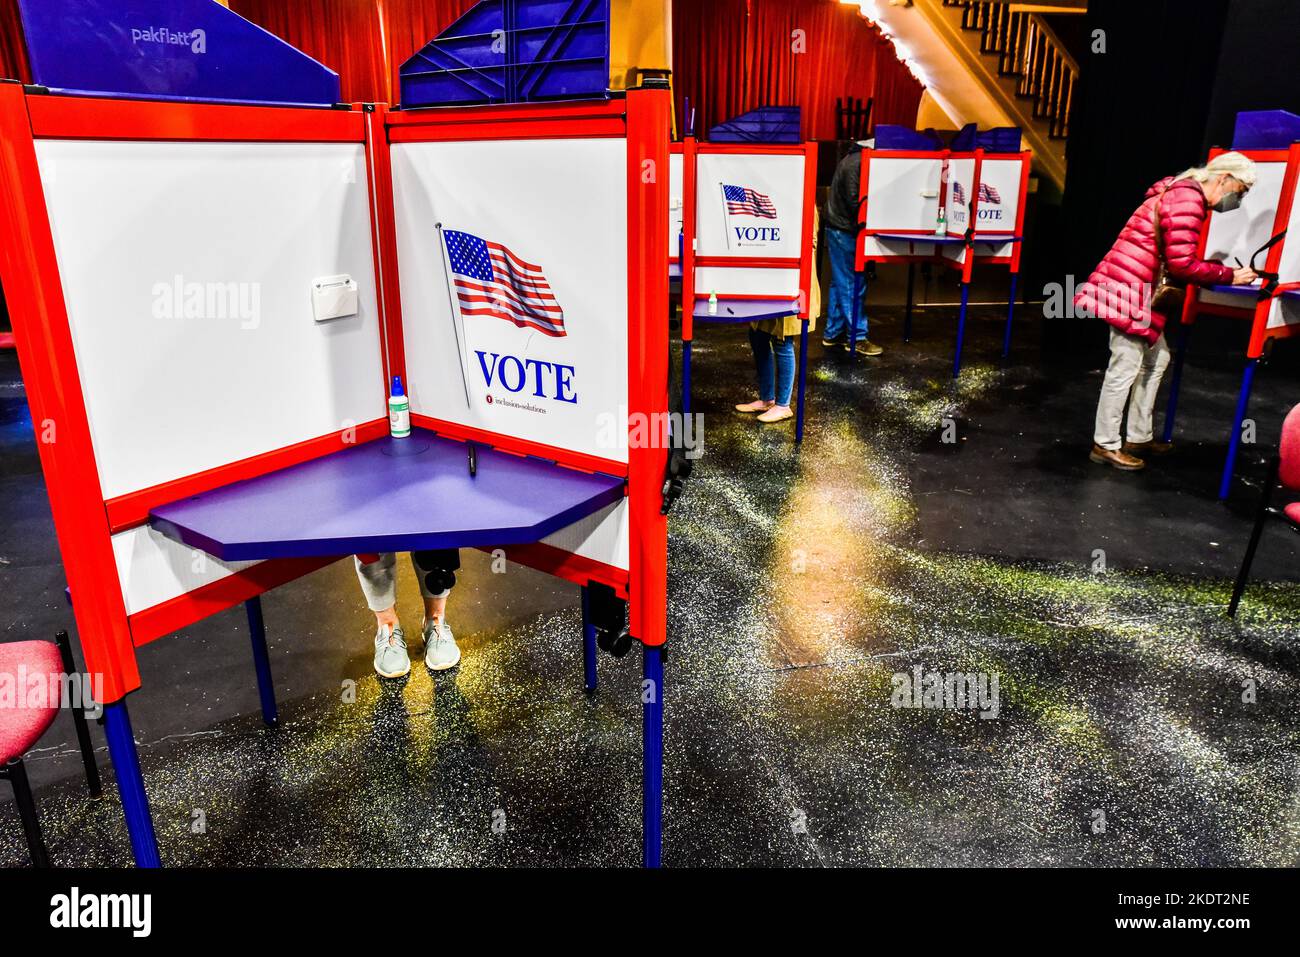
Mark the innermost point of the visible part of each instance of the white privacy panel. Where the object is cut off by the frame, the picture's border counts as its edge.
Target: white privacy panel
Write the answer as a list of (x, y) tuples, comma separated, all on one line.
[(676, 182), (742, 281), (187, 269), (1236, 235), (154, 568), (999, 197), (522, 299), (749, 205), (601, 536), (902, 193), (1285, 311)]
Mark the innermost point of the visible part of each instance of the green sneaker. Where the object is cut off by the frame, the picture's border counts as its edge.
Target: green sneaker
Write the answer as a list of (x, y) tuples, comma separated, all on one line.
[(440, 649), (391, 659)]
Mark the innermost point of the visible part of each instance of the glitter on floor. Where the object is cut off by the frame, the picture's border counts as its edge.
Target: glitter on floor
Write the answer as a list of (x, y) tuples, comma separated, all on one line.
[(801, 583)]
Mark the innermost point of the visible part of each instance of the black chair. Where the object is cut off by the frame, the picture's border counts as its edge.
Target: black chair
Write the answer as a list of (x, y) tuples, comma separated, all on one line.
[(1284, 471)]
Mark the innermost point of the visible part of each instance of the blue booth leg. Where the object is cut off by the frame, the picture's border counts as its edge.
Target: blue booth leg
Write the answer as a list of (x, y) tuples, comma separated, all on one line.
[(686, 377), (1234, 440), (262, 661), (961, 329), (652, 755), (1011, 311), (130, 784), (588, 644), (907, 316), (1175, 383), (803, 380), (859, 290)]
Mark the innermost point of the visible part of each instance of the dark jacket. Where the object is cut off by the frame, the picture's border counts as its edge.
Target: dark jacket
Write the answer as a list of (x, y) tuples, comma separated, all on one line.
[(842, 203)]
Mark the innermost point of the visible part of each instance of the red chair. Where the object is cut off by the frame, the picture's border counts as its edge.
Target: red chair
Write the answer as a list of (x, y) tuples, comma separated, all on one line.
[(22, 727), (1284, 470)]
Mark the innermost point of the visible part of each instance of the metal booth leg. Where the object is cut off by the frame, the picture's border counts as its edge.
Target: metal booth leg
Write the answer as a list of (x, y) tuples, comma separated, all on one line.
[(686, 377), (262, 661), (803, 380), (907, 315), (961, 329), (1234, 440), (130, 784), (652, 755), (1011, 311), (588, 644), (1176, 382)]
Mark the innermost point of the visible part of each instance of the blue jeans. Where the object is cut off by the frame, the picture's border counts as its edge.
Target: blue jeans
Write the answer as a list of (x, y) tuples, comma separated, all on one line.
[(765, 347), (839, 312)]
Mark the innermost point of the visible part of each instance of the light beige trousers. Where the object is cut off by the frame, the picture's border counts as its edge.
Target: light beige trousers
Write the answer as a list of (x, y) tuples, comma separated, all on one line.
[(1132, 380)]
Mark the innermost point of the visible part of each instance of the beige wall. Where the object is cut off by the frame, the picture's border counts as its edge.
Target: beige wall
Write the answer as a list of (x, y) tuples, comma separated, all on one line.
[(640, 39)]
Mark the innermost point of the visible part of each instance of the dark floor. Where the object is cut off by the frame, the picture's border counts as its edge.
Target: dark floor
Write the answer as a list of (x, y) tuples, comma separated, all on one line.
[(802, 581)]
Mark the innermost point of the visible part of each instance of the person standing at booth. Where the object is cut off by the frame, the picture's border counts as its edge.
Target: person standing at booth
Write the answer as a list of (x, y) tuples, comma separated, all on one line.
[(841, 247), (773, 343), (1137, 289), (436, 573)]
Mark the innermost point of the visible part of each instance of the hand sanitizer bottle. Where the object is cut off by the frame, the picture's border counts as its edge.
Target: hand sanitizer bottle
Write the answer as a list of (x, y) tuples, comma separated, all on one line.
[(941, 224), (713, 303), (399, 411)]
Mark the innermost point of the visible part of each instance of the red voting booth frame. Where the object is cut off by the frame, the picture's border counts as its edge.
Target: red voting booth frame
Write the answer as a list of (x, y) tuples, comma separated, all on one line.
[(690, 148), (966, 267), (85, 520), (1255, 310)]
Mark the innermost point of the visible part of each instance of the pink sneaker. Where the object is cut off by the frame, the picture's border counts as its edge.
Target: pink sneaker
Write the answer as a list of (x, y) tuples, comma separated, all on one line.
[(778, 413)]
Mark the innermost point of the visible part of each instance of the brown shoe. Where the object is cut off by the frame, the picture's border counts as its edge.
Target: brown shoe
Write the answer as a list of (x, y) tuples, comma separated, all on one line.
[(867, 348), (1148, 448), (1116, 458)]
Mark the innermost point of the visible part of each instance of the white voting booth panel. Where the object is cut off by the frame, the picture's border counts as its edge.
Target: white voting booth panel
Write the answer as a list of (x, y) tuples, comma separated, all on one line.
[(778, 177), (1284, 312), (1237, 235), (902, 196), (187, 269), (998, 206), (723, 234), (567, 216), (676, 207), (578, 189)]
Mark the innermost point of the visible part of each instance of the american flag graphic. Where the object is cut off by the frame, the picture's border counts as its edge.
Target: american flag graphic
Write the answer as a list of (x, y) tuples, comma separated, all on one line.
[(493, 281), (743, 201), (987, 194)]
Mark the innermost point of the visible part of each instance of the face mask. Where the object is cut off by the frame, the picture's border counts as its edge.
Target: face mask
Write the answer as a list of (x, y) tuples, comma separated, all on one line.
[(1227, 203)]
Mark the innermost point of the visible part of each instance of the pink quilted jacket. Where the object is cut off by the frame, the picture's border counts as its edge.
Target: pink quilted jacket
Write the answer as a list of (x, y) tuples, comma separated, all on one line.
[(1119, 290)]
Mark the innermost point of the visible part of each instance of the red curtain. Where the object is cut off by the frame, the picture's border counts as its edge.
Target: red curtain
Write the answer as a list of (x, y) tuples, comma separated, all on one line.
[(730, 56), (13, 54), (342, 34)]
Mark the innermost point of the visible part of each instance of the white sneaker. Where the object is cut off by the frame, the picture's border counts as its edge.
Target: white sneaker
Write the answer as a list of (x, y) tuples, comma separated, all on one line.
[(440, 649), (391, 660)]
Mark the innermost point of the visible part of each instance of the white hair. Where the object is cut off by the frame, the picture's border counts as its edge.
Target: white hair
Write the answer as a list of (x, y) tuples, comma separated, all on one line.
[(1239, 167)]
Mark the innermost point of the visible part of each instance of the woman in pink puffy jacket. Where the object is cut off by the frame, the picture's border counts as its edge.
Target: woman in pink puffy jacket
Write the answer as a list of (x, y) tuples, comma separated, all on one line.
[(1120, 291)]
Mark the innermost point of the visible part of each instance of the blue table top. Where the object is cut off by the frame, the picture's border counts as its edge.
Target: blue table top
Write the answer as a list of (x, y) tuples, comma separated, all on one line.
[(389, 495), (950, 239), (1252, 291), (745, 310)]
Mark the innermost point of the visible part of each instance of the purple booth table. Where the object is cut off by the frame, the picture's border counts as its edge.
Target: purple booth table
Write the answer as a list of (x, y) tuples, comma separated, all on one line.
[(750, 310), (388, 495)]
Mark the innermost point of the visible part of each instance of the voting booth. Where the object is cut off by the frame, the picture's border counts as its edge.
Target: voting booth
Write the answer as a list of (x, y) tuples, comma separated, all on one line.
[(1256, 235), (747, 240), (982, 195), (210, 302)]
